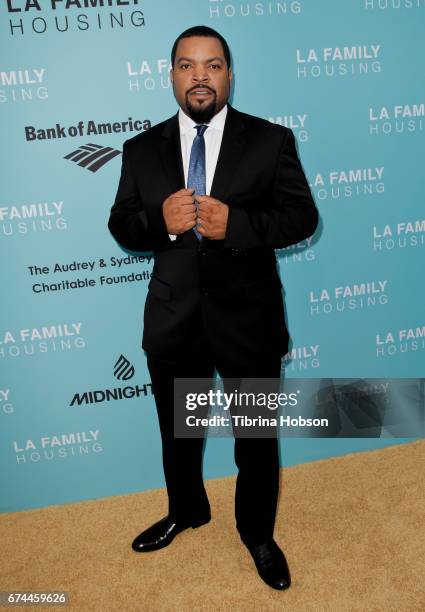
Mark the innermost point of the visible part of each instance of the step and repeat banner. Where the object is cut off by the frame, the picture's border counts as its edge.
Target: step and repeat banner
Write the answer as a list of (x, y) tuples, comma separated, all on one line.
[(78, 78)]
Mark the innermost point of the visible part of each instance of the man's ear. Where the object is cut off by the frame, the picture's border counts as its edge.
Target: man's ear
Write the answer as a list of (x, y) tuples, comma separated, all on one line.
[(172, 75), (230, 74)]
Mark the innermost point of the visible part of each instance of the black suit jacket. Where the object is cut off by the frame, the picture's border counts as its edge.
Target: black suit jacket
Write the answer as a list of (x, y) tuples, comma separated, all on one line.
[(229, 287)]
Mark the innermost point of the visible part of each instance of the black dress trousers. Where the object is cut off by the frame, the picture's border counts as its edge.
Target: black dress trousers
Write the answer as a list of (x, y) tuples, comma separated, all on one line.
[(257, 459)]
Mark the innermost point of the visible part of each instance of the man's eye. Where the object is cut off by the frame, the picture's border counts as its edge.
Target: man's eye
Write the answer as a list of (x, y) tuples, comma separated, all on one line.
[(184, 66), (215, 66)]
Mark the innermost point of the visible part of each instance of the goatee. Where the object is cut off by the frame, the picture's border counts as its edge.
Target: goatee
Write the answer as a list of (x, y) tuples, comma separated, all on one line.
[(202, 114)]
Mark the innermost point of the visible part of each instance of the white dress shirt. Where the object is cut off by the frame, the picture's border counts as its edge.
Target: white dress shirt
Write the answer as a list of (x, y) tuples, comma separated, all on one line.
[(213, 136)]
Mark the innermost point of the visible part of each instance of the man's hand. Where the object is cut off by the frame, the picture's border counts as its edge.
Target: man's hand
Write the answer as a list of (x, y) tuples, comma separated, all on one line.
[(179, 211), (212, 217)]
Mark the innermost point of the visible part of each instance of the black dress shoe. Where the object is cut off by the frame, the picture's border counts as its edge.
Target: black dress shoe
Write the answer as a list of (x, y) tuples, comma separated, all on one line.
[(162, 533), (271, 564)]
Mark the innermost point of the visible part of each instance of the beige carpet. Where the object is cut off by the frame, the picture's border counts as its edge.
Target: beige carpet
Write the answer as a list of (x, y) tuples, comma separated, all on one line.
[(352, 528)]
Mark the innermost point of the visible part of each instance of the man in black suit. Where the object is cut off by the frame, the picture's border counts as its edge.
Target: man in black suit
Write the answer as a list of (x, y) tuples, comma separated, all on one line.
[(212, 192)]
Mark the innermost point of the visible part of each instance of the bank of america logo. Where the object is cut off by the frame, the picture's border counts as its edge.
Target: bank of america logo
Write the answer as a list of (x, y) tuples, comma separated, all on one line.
[(92, 156), (123, 370)]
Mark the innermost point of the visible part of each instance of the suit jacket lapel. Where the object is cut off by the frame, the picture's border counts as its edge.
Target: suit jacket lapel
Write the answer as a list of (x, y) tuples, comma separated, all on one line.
[(232, 146), (171, 154), (231, 149)]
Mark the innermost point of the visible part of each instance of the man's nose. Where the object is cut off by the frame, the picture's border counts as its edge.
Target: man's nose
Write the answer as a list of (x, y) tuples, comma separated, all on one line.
[(200, 75)]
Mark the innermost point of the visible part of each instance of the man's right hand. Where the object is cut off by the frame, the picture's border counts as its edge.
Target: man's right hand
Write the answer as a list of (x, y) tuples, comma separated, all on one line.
[(179, 211)]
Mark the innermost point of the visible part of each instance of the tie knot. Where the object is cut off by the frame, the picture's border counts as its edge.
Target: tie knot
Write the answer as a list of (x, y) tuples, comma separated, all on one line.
[(201, 129)]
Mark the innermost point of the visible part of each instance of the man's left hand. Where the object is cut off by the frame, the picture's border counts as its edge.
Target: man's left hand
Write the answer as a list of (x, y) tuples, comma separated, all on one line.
[(212, 217)]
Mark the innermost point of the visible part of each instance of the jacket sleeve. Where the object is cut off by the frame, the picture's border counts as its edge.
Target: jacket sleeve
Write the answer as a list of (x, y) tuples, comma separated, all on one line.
[(291, 216), (131, 224)]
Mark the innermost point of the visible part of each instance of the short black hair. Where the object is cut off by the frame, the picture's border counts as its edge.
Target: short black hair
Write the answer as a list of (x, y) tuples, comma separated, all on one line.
[(201, 31)]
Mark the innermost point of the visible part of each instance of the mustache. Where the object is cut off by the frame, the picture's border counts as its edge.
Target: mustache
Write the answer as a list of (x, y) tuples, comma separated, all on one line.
[(195, 87)]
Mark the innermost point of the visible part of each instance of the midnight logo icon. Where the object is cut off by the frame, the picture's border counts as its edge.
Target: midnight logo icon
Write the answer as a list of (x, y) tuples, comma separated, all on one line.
[(92, 156), (123, 370)]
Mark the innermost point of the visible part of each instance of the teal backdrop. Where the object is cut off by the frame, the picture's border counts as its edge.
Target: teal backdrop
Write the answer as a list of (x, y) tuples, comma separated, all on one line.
[(77, 78)]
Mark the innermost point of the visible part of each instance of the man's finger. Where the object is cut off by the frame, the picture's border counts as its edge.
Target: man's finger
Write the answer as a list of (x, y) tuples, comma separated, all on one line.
[(204, 223), (190, 215), (203, 215), (208, 200), (204, 199), (204, 207), (183, 192), (185, 201), (201, 230)]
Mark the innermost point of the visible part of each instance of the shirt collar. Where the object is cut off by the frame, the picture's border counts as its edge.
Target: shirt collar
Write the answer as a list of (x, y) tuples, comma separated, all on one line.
[(217, 122)]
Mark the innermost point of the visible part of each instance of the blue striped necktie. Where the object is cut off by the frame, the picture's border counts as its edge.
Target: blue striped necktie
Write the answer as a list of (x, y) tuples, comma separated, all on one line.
[(196, 173)]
